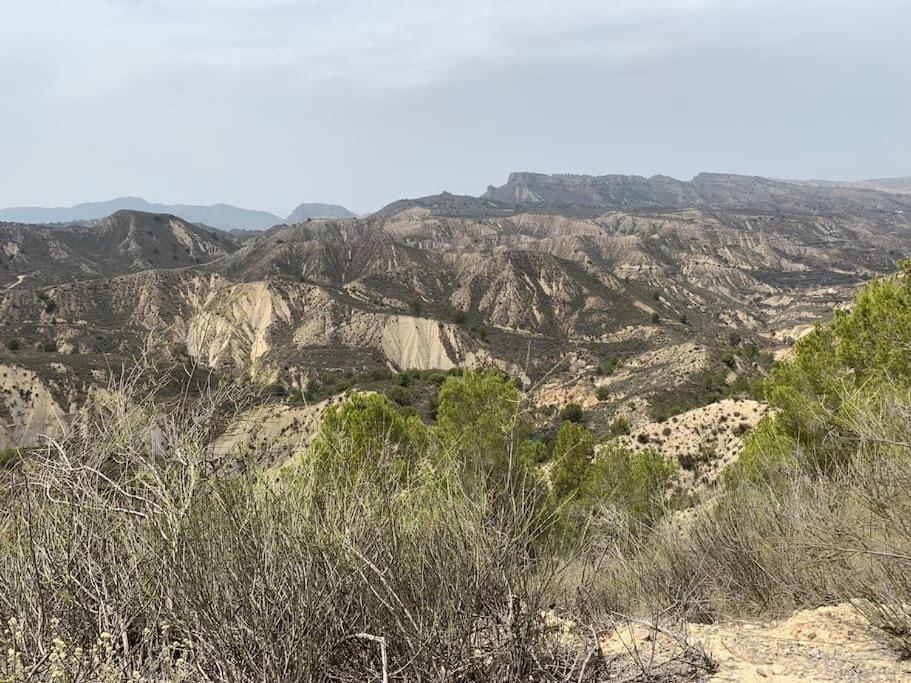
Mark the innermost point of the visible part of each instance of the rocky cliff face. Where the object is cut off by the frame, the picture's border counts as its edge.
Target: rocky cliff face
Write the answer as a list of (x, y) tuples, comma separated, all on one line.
[(711, 190)]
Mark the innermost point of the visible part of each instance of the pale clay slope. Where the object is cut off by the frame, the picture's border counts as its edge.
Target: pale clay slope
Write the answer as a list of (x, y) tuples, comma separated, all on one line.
[(29, 412), (237, 324)]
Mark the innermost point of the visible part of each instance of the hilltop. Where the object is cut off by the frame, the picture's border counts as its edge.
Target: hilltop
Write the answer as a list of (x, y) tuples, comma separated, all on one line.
[(316, 210)]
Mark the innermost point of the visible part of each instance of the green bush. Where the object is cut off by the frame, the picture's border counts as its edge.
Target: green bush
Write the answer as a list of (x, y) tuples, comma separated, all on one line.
[(9, 457), (602, 393), (572, 472), (400, 395), (608, 366), (359, 429), (864, 348), (480, 415), (636, 483), (14, 344), (572, 412)]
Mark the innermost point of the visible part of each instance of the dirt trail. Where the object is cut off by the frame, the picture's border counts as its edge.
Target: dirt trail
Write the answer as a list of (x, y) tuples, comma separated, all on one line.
[(823, 644), (19, 279)]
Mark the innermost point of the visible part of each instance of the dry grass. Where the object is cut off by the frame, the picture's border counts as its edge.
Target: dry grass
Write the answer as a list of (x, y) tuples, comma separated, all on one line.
[(130, 552)]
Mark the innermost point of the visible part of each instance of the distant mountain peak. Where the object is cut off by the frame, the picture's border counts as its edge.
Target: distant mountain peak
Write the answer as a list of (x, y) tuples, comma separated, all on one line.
[(222, 216), (309, 210)]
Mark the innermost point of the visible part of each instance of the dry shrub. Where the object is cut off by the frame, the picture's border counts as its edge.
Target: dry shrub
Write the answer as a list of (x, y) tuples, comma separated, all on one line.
[(130, 550)]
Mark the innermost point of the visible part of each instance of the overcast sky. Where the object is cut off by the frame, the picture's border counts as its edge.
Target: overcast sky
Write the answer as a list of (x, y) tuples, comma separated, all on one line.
[(268, 103)]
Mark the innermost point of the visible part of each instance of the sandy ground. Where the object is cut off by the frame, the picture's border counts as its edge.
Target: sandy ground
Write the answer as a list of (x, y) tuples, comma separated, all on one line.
[(823, 644)]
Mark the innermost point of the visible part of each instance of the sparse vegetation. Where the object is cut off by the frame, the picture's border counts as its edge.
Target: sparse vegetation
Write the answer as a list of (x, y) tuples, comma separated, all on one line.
[(815, 509), (607, 366)]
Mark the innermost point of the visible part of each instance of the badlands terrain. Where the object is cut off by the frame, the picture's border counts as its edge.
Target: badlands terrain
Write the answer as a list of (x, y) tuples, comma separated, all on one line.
[(640, 298), (648, 309)]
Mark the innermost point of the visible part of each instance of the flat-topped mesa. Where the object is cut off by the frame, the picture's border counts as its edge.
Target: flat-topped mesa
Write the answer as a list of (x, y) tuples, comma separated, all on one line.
[(715, 190)]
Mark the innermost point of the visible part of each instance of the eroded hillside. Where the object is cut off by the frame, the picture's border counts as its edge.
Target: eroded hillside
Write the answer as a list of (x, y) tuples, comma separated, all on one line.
[(645, 311)]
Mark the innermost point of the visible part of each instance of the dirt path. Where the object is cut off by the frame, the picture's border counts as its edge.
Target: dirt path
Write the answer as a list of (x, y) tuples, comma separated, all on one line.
[(824, 644), (19, 279)]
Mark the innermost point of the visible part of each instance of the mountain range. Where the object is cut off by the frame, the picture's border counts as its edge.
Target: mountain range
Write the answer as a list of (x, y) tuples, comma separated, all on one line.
[(221, 216)]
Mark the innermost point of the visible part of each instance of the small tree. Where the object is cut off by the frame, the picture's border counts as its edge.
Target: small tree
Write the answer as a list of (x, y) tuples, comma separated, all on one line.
[(574, 453), (361, 429)]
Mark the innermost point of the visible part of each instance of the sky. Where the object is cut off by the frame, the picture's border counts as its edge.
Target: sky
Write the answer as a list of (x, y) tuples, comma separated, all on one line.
[(269, 103)]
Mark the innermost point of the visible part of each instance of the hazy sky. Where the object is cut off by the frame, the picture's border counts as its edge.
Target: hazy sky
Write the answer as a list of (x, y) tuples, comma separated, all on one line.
[(268, 103)]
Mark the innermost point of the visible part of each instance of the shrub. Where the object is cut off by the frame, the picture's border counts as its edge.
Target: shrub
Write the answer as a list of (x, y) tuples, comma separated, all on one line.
[(864, 348), (619, 427), (480, 414), (400, 395), (9, 457), (379, 375), (602, 393), (608, 366), (367, 557), (572, 412), (635, 483), (14, 344), (357, 430)]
